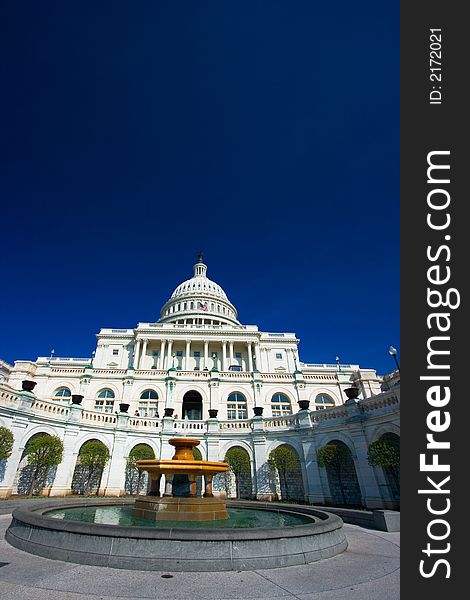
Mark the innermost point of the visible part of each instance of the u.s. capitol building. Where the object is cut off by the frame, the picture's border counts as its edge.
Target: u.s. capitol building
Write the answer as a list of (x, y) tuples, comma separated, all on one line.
[(198, 371)]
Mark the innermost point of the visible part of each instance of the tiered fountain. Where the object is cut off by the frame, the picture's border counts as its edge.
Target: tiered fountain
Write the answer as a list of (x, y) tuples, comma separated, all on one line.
[(178, 531), (180, 501)]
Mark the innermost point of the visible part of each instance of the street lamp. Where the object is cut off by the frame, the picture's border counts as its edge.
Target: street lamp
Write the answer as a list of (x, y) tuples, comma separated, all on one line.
[(393, 352)]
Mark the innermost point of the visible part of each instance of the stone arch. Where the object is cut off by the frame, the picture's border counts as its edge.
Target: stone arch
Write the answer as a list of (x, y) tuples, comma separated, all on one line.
[(92, 436), (240, 485), (138, 390), (288, 484), (137, 482), (192, 405), (231, 389), (343, 481), (384, 430), (328, 392), (190, 388), (24, 472), (96, 387), (81, 480), (391, 476), (268, 399), (58, 383)]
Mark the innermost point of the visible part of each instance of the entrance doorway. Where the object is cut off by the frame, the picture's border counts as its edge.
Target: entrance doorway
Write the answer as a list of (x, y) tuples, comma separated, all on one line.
[(192, 406)]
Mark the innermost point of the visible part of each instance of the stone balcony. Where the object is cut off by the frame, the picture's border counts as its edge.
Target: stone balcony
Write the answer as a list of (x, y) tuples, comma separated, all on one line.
[(25, 404)]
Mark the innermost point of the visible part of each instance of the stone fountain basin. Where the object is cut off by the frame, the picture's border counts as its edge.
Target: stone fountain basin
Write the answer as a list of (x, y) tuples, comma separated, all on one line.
[(176, 467), (176, 549)]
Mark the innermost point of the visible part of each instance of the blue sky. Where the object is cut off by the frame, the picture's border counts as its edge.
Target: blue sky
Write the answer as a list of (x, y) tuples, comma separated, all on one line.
[(264, 133)]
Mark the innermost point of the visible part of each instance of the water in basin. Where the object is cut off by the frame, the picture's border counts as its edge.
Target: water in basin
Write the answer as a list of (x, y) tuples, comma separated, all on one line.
[(123, 515)]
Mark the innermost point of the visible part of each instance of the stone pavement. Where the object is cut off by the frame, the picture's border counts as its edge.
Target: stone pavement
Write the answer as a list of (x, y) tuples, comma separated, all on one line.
[(368, 570)]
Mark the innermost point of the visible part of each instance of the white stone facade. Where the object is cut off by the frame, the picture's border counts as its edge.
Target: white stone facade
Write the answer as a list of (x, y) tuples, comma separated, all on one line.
[(199, 357)]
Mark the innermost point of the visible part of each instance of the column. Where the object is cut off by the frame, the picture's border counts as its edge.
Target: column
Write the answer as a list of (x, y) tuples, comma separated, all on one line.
[(188, 355), (192, 485), (313, 483), (206, 354), (116, 475), (136, 354), (169, 359), (208, 486), (19, 429), (224, 356), (162, 355), (63, 479), (258, 357), (250, 356), (268, 366), (370, 490), (168, 485), (231, 352), (154, 484), (142, 356)]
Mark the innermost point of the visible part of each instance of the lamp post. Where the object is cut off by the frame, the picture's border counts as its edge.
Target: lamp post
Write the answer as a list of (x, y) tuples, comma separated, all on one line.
[(393, 352), (338, 371)]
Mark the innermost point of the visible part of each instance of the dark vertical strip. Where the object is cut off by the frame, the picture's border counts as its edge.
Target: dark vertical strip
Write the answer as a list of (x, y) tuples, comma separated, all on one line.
[(435, 259)]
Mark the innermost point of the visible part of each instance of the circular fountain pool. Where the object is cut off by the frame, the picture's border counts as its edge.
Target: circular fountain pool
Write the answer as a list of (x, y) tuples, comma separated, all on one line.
[(108, 535), (237, 518)]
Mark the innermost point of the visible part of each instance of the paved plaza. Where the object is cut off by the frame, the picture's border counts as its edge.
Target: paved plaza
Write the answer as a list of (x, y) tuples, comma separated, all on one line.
[(368, 570)]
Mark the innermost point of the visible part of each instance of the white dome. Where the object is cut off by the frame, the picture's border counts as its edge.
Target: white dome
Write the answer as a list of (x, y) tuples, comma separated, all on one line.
[(199, 300), (199, 284)]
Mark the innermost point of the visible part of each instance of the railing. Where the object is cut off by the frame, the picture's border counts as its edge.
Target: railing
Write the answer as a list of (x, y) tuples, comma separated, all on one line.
[(103, 419), (144, 423), (284, 422), (158, 372), (380, 401), (232, 426), (7, 398), (338, 412), (50, 408), (109, 371), (321, 378), (268, 376), (236, 375), (65, 370), (191, 374), (185, 425)]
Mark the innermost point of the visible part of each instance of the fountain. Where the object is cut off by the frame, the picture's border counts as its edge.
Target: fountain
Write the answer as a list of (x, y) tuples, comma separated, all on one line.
[(178, 531), (180, 502)]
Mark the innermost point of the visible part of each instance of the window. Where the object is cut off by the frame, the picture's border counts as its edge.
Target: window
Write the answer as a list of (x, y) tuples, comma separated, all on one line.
[(236, 406), (238, 354), (148, 404), (149, 395), (115, 352), (280, 405), (323, 401), (278, 356), (234, 368), (61, 394), (197, 355), (105, 401)]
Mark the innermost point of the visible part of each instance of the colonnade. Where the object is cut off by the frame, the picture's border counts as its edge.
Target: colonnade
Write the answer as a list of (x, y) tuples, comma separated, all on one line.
[(225, 347)]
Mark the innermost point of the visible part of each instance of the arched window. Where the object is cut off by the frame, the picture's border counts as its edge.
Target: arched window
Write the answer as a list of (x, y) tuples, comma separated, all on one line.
[(62, 393), (236, 406), (105, 401), (323, 401), (148, 404), (280, 405)]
